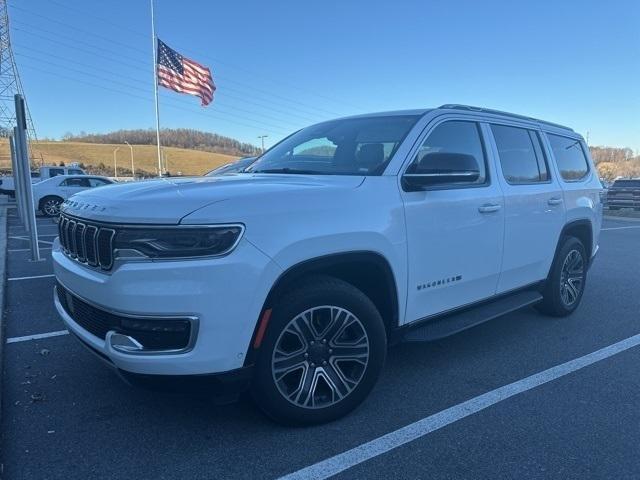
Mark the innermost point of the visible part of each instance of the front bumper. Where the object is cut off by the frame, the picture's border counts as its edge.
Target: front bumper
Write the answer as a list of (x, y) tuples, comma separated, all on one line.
[(224, 294)]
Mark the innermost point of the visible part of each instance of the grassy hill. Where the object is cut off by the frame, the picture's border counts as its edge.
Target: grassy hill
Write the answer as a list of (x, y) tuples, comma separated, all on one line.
[(189, 162)]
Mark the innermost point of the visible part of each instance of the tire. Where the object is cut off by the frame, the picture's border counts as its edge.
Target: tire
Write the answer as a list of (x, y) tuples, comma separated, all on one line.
[(565, 285), (50, 205), (348, 322)]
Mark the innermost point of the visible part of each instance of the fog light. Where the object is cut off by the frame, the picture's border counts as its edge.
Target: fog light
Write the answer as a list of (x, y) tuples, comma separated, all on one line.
[(143, 325), (158, 334)]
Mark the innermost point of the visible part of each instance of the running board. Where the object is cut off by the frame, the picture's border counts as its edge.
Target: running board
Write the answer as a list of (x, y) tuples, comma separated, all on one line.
[(456, 322)]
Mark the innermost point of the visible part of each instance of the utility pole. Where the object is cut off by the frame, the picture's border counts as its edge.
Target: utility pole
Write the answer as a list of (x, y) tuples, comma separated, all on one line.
[(587, 138), (115, 163), (133, 170), (154, 42), (10, 83), (262, 137), (165, 157)]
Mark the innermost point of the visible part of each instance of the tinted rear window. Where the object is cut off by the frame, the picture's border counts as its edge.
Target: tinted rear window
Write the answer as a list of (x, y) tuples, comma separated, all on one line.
[(571, 160), (520, 154), (626, 184)]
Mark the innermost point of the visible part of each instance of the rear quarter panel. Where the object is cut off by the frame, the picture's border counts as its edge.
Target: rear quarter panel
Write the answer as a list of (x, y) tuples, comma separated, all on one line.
[(581, 197)]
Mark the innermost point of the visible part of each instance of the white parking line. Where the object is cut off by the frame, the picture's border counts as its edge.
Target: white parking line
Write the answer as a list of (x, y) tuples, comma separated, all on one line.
[(26, 249), (22, 231), (37, 336), (26, 239), (620, 228), (13, 279), (341, 462)]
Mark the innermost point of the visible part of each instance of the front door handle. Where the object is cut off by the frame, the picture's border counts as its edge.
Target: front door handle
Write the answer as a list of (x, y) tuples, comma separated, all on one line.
[(489, 207), (555, 201)]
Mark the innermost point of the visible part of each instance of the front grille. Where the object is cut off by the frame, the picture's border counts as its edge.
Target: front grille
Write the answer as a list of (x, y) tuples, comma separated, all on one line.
[(99, 322), (86, 242)]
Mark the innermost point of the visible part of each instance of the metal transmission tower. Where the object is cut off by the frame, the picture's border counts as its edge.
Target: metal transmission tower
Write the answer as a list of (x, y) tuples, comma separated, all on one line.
[(10, 82)]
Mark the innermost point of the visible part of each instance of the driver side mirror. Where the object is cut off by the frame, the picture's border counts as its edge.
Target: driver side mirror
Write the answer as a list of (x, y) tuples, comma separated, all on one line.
[(439, 168)]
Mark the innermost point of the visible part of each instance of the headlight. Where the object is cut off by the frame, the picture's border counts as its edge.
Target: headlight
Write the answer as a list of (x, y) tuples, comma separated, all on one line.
[(180, 241)]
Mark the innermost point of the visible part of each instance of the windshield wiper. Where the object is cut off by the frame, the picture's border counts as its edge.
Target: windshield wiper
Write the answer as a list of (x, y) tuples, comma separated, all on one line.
[(288, 170)]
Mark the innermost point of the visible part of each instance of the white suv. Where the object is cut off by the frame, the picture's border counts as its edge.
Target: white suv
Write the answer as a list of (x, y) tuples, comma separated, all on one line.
[(294, 277)]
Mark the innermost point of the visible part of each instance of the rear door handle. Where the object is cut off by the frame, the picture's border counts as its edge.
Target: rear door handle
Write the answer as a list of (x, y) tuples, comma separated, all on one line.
[(489, 207), (555, 201)]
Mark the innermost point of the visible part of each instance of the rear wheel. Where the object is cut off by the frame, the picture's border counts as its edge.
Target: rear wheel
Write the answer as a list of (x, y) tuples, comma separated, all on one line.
[(565, 285), (322, 354), (50, 206)]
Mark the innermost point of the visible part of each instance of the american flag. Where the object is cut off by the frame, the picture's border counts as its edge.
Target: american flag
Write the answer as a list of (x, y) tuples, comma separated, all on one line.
[(182, 75)]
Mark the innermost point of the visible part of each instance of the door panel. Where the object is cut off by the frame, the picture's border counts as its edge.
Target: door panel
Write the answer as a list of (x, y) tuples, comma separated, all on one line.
[(534, 206), (454, 237)]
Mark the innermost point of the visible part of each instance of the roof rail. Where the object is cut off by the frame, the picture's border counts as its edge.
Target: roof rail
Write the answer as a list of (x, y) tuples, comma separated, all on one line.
[(454, 106)]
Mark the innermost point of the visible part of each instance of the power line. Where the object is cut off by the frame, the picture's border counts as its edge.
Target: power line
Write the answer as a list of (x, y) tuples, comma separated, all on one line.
[(122, 44), (200, 54), (150, 99), (138, 81), (136, 66)]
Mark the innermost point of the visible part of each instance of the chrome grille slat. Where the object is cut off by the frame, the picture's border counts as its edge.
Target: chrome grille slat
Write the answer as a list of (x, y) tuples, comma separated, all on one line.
[(90, 234), (64, 238), (71, 235), (87, 243), (79, 241), (105, 247)]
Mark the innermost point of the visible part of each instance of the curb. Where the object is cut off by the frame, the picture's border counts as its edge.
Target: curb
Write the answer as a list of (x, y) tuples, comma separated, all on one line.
[(621, 219), (3, 281)]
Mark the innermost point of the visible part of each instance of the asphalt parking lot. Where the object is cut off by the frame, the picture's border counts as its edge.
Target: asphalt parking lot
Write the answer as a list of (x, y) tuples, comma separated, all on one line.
[(438, 411)]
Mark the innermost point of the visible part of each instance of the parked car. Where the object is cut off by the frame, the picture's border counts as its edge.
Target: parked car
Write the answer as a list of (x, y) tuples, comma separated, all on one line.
[(49, 194), (233, 167), (346, 237), (7, 183), (624, 194)]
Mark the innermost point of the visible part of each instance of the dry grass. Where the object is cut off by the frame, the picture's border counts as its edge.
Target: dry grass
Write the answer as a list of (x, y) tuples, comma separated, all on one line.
[(189, 162)]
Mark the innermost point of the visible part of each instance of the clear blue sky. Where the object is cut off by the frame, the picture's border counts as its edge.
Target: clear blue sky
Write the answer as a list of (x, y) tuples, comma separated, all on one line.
[(282, 65)]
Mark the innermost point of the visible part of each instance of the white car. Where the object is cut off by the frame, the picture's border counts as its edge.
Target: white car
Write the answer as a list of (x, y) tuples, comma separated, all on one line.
[(346, 237), (49, 194), (7, 184)]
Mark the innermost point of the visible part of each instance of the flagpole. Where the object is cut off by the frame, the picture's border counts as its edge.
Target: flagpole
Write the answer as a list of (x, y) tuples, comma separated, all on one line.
[(155, 86)]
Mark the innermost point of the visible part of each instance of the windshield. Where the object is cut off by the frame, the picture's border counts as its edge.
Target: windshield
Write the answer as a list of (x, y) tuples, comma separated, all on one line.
[(356, 146)]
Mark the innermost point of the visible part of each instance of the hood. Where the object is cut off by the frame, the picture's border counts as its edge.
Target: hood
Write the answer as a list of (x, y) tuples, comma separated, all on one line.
[(168, 200)]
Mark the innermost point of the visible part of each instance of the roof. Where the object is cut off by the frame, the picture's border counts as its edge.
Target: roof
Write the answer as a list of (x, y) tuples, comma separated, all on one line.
[(455, 106)]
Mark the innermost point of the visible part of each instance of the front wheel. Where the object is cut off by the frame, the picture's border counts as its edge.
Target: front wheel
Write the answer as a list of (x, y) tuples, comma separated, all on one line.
[(50, 206), (323, 352), (565, 285)]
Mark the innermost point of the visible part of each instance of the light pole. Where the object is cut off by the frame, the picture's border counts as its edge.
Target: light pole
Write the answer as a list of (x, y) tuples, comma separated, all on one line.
[(133, 170), (115, 163), (262, 137)]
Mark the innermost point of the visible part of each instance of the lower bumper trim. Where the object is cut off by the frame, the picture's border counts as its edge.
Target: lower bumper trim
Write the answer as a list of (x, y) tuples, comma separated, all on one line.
[(230, 383)]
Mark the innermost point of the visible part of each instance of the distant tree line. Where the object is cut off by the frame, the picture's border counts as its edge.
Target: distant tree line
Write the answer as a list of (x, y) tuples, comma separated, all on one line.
[(170, 137), (613, 162)]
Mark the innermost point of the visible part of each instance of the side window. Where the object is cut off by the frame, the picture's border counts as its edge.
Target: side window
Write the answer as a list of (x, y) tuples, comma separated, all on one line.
[(520, 153), (570, 157), (75, 172), (75, 182), (54, 172), (97, 182), (459, 138)]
